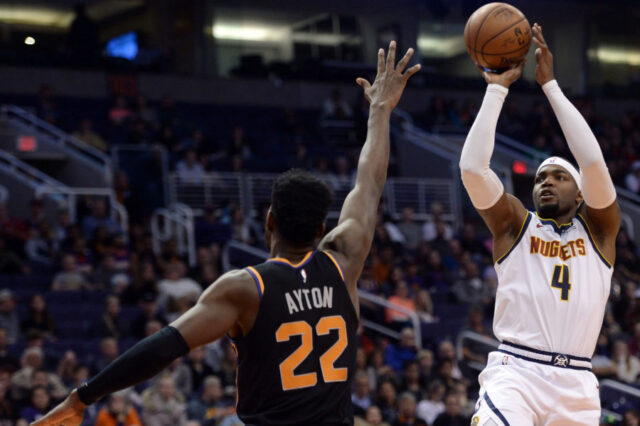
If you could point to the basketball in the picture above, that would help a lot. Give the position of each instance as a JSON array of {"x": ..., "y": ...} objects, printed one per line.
[{"x": 497, "y": 36}]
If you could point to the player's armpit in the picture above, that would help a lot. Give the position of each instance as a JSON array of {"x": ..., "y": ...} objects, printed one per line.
[
  {"x": 504, "y": 219},
  {"x": 231, "y": 300}
]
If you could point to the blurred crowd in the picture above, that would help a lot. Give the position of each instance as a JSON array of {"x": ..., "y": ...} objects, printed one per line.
[{"x": 442, "y": 272}]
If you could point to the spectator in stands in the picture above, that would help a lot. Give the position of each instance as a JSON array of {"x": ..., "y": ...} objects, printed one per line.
[
  {"x": 189, "y": 170},
  {"x": 61, "y": 227},
  {"x": 632, "y": 180},
  {"x": 424, "y": 306},
  {"x": 10, "y": 263},
  {"x": 40, "y": 401},
  {"x": 198, "y": 367},
  {"x": 634, "y": 343},
  {"x": 86, "y": 134},
  {"x": 467, "y": 406},
  {"x": 39, "y": 319},
  {"x": 9, "y": 319},
  {"x": 240, "y": 227},
  {"x": 451, "y": 415},
  {"x": 411, "y": 379},
  {"x": 436, "y": 273},
  {"x": 51, "y": 382},
  {"x": 146, "y": 112},
  {"x": 31, "y": 360},
  {"x": 387, "y": 400},
  {"x": 41, "y": 247},
  {"x": 83, "y": 256},
  {"x": 240, "y": 145},
  {"x": 103, "y": 274},
  {"x": 176, "y": 289},
  {"x": 7, "y": 410},
  {"x": 407, "y": 411},
  {"x": 361, "y": 394},
  {"x": 410, "y": 229},
  {"x": 67, "y": 367},
  {"x": 470, "y": 290},
  {"x": 631, "y": 418},
  {"x": 336, "y": 108},
  {"x": 627, "y": 365},
  {"x": 69, "y": 279},
  {"x": 163, "y": 405},
  {"x": 447, "y": 352},
  {"x": 301, "y": 159},
  {"x": 471, "y": 349},
  {"x": 108, "y": 352},
  {"x": 425, "y": 366},
  {"x": 152, "y": 326},
  {"x": 210, "y": 406},
  {"x": 109, "y": 324},
  {"x": 119, "y": 112},
  {"x": 7, "y": 361},
  {"x": 98, "y": 218},
  {"x": 373, "y": 417},
  {"x": 400, "y": 298},
  {"x": 405, "y": 350},
  {"x": 80, "y": 375},
  {"x": 430, "y": 408},
  {"x": 118, "y": 412},
  {"x": 148, "y": 312}
]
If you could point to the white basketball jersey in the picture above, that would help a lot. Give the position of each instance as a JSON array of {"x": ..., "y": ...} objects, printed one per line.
[{"x": 553, "y": 285}]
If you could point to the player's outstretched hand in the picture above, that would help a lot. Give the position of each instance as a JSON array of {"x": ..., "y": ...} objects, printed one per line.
[
  {"x": 69, "y": 412},
  {"x": 506, "y": 78},
  {"x": 544, "y": 58},
  {"x": 390, "y": 80}
]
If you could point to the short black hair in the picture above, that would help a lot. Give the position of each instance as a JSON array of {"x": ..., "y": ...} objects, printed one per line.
[{"x": 299, "y": 205}]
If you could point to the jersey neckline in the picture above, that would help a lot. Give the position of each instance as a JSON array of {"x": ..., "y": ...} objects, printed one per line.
[{"x": 283, "y": 261}]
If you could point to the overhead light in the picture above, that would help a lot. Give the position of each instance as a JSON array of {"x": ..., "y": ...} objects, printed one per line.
[
  {"x": 30, "y": 41},
  {"x": 247, "y": 32},
  {"x": 441, "y": 46},
  {"x": 615, "y": 55},
  {"x": 39, "y": 16}
]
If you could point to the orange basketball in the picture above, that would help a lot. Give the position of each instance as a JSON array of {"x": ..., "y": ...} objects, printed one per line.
[{"x": 497, "y": 36}]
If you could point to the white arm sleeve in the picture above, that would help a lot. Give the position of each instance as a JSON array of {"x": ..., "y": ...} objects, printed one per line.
[
  {"x": 482, "y": 184},
  {"x": 597, "y": 186}
]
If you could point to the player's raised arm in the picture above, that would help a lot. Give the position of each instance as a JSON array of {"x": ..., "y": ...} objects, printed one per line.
[
  {"x": 502, "y": 212},
  {"x": 224, "y": 305},
  {"x": 351, "y": 239},
  {"x": 602, "y": 212}
]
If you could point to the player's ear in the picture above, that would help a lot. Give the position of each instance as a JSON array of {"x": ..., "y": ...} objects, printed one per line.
[
  {"x": 579, "y": 198},
  {"x": 270, "y": 223}
]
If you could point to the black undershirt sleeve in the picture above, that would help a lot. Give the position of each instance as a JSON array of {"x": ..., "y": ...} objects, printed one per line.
[{"x": 143, "y": 361}]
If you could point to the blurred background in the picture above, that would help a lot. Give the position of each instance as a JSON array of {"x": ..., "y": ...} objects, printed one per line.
[{"x": 139, "y": 141}]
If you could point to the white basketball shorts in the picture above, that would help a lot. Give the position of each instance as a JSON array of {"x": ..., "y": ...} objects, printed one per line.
[{"x": 517, "y": 392}]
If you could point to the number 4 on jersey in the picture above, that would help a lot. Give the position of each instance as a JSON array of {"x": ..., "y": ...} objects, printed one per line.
[{"x": 561, "y": 281}]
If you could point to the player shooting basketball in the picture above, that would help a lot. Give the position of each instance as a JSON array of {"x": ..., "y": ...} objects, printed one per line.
[{"x": 554, "y": 265}]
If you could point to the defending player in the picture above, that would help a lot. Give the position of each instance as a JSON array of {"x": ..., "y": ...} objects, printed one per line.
[
  {"x": 554, "y": 266},
  {"x": 293, "y": 318}
]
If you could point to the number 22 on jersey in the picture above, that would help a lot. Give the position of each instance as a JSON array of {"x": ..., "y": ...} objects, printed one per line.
[
  {"x": 330, "y": 373},
  {"x": 561, "y": 280}
]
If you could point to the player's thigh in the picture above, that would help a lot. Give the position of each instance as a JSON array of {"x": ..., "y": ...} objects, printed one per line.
[{"x": 490, "y": 413}]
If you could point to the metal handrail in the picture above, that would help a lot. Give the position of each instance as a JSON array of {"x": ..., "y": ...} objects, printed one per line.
[
  {"x": 90, "y": 155},
  {"x": 471, "y": 335},
  {"x": 179, "y": 222},
  {"x": 118, "y": 211},
  {"x": 16, "y": 165},
  {"x": 415, "y": 319}
]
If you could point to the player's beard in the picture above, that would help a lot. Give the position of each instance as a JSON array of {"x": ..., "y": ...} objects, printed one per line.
[{"x": 548, "y": 211}]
